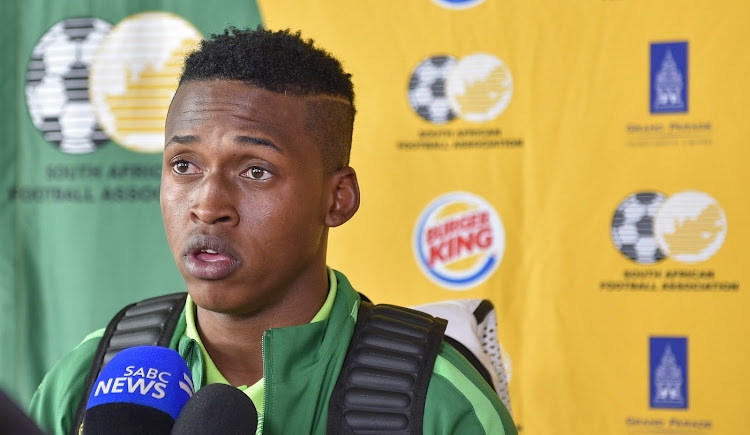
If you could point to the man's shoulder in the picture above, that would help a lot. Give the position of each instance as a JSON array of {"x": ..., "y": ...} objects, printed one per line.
[
  {"x": 76, "y": 362},
  {"x": 459, "y": 400},
  {"x": 55, "y": 401}
]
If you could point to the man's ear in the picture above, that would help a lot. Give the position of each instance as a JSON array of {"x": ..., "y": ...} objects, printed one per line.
[{"x": 343, "y": 198}]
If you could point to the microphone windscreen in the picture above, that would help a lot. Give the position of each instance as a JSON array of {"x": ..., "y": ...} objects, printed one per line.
[
  {"x": 13, "y": 420},
  {"x": 141, "y": 390},
  {"x": 217, "y": 409}
]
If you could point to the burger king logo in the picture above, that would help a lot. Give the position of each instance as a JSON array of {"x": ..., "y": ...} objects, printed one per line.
[{"x": 459, "y": 240}]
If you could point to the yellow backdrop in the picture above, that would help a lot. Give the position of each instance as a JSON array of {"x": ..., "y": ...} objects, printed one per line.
[{"x": 584, "y": 165}]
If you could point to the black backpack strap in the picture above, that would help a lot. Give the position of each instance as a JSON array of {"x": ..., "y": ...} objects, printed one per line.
[
  {"x": 387, "y": 369},
  {"x": 151, "y": 322}
]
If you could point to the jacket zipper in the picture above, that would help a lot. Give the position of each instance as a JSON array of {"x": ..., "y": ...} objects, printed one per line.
[
  {"x": 189, "y": 354},
  {"x": 265, "y": 339}
]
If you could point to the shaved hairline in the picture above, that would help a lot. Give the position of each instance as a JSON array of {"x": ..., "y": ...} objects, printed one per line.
[
  {"x": 314, "y": 97},
  {"x": 330, "y": 122}
]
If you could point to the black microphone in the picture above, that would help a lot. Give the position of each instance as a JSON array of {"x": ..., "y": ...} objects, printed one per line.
[
  {"x": 141, "y": 390},
  {"x": 217, "y": 409},
  {"x": 13, "y": 421}
]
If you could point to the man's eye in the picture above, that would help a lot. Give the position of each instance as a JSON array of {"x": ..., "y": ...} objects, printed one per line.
[
  {"x": 257, "y": 173},
  {"x": 183, "y": 167}
]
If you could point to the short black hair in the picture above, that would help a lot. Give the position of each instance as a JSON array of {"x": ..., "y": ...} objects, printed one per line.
[{"x": 282, "y": 61}]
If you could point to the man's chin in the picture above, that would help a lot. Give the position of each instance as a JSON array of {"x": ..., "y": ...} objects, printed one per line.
[{"x": 221, "y": 300}]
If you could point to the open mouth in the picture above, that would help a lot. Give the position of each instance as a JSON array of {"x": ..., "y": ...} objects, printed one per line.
[{"x": 209, "y": 257}]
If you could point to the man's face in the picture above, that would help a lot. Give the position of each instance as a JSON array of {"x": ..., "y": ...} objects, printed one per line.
[{"x": 243, "y": 194}]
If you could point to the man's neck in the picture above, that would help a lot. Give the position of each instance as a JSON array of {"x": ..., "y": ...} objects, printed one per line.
[{"x": 234, "y": 342}]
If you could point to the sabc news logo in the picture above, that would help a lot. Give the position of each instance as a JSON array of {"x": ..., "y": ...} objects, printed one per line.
[
  {"x": 151, "y": 376},
  {"x": 143, "y": 382},
  {"x": 459, "y": 240},
  {"x": 689, "y": 227}
]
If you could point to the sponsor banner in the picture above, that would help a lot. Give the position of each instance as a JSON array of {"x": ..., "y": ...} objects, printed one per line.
[
  {"x": 85, "y": 233},
  {"x": 609, "y": 139}
]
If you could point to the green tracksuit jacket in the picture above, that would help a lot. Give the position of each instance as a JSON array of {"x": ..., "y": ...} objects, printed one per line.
[{"x": 301, "y": 365}]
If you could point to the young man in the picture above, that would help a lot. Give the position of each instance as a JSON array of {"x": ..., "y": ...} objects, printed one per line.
[{"x": 255, "y": 173}]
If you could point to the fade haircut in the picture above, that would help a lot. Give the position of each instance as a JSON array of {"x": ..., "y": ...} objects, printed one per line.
[{"x": 284, "y": 62}]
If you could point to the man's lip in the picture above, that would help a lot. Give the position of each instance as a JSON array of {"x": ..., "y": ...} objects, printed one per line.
[
  {"x": 209, "y": 257},
  {"x": 198, "y": 242}
]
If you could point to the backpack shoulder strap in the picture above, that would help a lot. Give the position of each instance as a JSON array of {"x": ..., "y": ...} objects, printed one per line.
[
  {"x": 387, "y": 369},
  {"x": 150, "y": 322}
]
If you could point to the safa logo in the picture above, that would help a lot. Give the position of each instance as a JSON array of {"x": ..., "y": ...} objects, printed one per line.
[
  {"x": 135, "y": 74},
  {"x": 88, "y": 82},
  {"x": 57, "y": 85},
  {"x": 459, "y": 240},
  {"x": 688, "y": 226},
  {"x": 458, "y": 4},
  {"x": 477, "y": 88}
]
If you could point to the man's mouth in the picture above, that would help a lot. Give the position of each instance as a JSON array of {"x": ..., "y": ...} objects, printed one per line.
[{"x": 209, "y": 257}]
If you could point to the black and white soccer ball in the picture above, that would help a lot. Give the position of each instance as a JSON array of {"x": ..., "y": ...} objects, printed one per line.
[
  {"x": 57, "y": 85},
  {"x": 427, "y": 90},
  {"x": 633, "y": 227}
]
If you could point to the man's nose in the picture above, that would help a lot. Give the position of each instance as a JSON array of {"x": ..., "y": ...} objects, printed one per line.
[{"x": 215, "y": 201}]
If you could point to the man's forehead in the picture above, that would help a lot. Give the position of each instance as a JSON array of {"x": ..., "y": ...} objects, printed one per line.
[
  {"x": 236, "y": 92},
  {"x": 199, "y": 101}
]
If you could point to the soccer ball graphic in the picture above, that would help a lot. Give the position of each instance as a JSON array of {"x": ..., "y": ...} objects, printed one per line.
[
  {"x": 427, "y": 93},
  {"x": 57, "y": 85},
  {"x": 633, "y": 227}
]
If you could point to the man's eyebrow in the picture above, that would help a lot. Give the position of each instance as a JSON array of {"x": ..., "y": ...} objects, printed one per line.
[
  {"x": 189, "y": 138},
  {"x": 257, "y": 141},
  {"x": 182, "y": 139}
]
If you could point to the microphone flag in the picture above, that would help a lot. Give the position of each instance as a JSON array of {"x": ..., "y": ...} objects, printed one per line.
[{"x": 150, "y": 376}]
